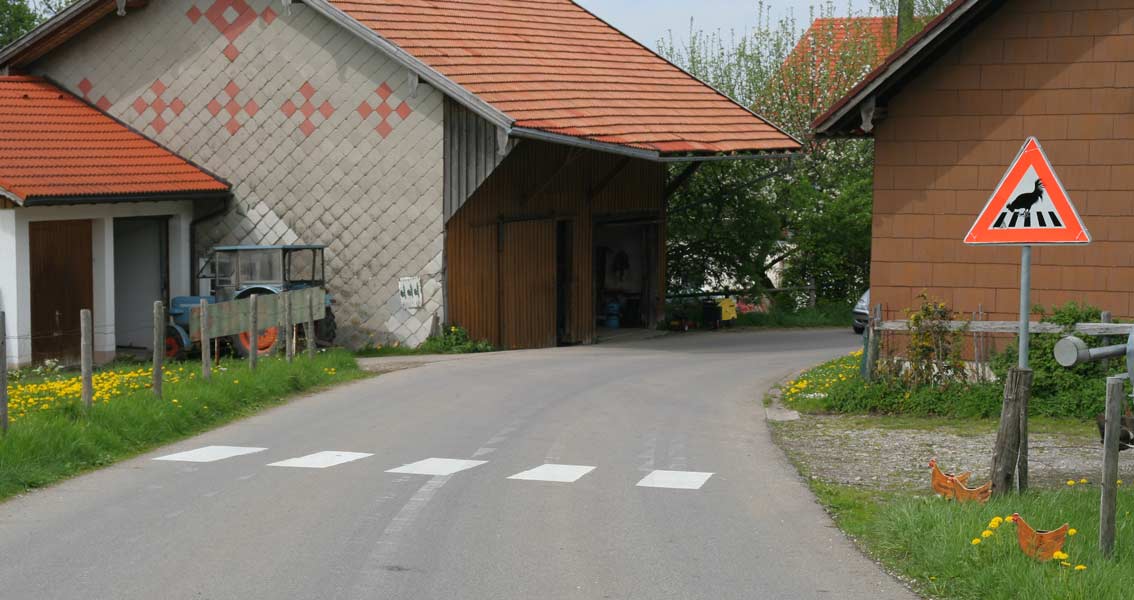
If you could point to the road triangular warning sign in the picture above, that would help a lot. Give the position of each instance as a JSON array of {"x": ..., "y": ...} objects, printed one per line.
[{"x": 1029, "y": 207}]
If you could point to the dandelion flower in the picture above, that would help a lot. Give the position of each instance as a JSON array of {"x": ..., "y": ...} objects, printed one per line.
[
  {"x": 1065, "y": 564},
  {"x": 1072, "y": 531},
  {"x": 1119, "y": 482},
  {"x": 1080, "y": 567},
  {"x": 1071, "y": 483},
  {"x": 975, "y": 542},
  {"x": 1057, "y": 555},
  {"x": 986, "y": 534},
  {"x": 1083, "y": 481},
  {"x": 994, "y": 524}
]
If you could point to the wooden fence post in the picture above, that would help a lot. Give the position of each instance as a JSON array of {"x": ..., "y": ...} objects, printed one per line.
[
  {"x": 1006, "y": 453},
  {"x": 159, "y": 346},
  {"x": 288, "y": 328},
  {"x": 1106, "y": 318},
  {"x": 1022, "y": 405},
  {"x": 1115, "y": 391},
  {"x": 253, "y": 333},
  {"x": 206, "y": 343},
  {"x": 309, "y": 328},
  {"x": 3, "y": 374},
  {"x": 86, "y": 358}
]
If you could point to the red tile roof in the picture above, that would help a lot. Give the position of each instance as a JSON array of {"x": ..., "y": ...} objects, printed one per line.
[
  {"x": 552, "y": 66},
  {"x": 881, "y": 31},
  {"x": 54, "y": 145}
]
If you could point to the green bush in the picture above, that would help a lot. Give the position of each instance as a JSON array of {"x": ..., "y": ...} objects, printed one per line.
[
  {"x": 1056, "y": 390},
  {"x": 825, "y": 314}
]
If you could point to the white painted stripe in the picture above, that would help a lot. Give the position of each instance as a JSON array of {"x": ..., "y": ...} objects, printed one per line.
[
  {"x": 553, "y": 472},
  {"x": 437, "y": 466},
  {"x": 678, "y": 480},
  {"x": 210, "y": 454},
  {"x": 321, "y": 460}
]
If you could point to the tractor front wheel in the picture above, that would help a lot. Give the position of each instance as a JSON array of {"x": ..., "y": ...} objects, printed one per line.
[{"x": 174, "y": 346}]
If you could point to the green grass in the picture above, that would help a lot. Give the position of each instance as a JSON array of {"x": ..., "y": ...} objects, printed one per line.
[
  {"x": 44, "y": 447},
  {"x": 929, "y": 541}
]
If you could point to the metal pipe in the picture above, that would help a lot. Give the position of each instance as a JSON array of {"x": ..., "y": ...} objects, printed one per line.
[
  {"x": 1071, "y": 351},
  {"x": 1025, "y": 304}
]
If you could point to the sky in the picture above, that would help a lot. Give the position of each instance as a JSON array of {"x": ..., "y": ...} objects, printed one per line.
[{"x": 649, "y": 20}]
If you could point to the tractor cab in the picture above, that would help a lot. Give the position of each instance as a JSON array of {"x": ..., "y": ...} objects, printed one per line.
[
  {"x": 236, "y": 272},
  {"x": 239, "y": 271}
]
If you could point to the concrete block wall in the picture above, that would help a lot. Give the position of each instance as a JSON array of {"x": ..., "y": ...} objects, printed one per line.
[
  {"x": 1061, "y": 70},
  {"x": 318, "y": 132}
]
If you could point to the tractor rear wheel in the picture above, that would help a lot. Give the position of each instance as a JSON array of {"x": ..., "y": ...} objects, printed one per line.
[
  {"x": 174, "y": 347},
  {"x": 266, "y": 342}
]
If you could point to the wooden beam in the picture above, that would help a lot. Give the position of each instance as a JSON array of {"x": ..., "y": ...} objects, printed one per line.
[
  {"x": 609, "y": 178},
  {"x": 1014, "y": 327},
  {"x": 680, "y": 181}
]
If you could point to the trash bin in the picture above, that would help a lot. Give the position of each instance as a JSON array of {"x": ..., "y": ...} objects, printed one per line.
[{"x": 711, "y": 314}]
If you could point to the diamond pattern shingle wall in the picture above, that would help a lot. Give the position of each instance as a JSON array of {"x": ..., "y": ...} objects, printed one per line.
[{"x": 319, "y": 174}]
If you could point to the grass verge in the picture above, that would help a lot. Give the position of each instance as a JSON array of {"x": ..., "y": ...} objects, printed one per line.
[
  {"x": 61, "y": 440},
  {"x": 929, "y": 542}
]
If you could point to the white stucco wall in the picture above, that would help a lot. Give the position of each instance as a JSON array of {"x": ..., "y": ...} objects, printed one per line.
[
  {"x": 359, "y": 168},
  {"x": 15, "y": 272}
]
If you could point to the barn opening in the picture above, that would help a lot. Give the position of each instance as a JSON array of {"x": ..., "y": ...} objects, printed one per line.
[
  {"x": 141, "y": 277},
  {"x": 625, "y": 274}
]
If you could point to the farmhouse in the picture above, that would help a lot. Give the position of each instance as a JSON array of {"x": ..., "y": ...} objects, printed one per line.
[
  {"x": 948, "y": 112},
  {"x": 511, "y": 156}
]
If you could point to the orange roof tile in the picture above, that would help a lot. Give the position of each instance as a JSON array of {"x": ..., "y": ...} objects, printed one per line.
[
  {"x": 552, "y": 66},
  {"x": 882, "y": 31},
  {"x": 54, "y": 145}
]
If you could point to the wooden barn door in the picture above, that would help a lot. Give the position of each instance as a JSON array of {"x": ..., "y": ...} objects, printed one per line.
[
  {"x": 62, "y": 284},
  {"x": 528, "y": 284}
]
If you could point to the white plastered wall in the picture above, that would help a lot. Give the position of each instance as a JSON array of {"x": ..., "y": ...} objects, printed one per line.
[
  {"x": 15, "y": 265},
  {"x": 235, "y": 105}
]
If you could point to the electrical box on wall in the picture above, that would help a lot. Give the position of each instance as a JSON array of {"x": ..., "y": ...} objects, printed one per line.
[{"x": 409, "y": 288}]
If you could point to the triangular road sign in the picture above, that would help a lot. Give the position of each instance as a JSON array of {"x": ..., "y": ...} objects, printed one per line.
[{"x": 1029, "y": 207}]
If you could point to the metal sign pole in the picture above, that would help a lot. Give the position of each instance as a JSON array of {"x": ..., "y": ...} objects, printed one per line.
[{"x": 1025, "y": 304}]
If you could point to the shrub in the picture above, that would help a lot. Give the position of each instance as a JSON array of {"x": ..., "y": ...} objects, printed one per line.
[
  {"x": 454, "y": 340},
  {"x": 933, "y": 354},
  {"x": 1058, "y": 390}
]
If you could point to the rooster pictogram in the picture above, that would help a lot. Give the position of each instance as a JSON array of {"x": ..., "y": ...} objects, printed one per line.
[{"x": 1024, "y": 202}]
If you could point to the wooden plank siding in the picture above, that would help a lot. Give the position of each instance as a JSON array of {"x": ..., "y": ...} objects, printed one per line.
[
  {"x": 527, "y": 284},
  {"x": 545, "y": 183}
]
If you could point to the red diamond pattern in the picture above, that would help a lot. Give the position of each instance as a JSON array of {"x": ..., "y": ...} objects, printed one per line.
[
  {"x": 85, "y": 87},
  {"x": 231, "y": 18},
  {"x": 164, "y": 111},
  {"x": 229, "y": 102},
  {"x": 305, "y": 106},
  {"x": 385, "y": 110}
]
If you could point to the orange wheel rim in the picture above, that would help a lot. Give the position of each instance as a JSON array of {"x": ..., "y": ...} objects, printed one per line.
[
  {"x": 264, "y": 341},
  {"x": 172, "y": 346}
]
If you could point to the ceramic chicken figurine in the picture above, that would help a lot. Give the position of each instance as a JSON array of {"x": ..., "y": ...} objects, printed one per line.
[
  {"x": 1040, "y": 545},
  {"x": 940, "y": 481},
  {"x": 962, "y": 493}
]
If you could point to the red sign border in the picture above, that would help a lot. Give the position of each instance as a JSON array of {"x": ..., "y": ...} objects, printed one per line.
[{"x": 1015, "y": 172}]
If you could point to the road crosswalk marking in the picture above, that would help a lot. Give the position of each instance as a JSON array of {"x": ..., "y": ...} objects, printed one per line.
[
  {"x": 321, "y": 460},
  {"x": 677, "y": 480},
  {"x": 437, "y": 466},
  {"x": 554, "y": 473},
  {"x": 210, "y": 454}
]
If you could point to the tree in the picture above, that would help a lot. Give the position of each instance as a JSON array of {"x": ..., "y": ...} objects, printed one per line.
[
  {"x": 734, "y": 221},
  {"x": 16, "y": 19}
]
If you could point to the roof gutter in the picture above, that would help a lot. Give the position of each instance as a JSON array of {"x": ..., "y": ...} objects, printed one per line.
[
  {"x": 407, "y": 60},
  {"x": 102, "y": 199},
  {"x": 892, "y": 68},
  {"x": 639, "y": 153}
]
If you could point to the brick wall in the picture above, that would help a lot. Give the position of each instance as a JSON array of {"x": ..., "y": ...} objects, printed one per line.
[
  {"x": 318, "y": 133},
  {"x": 1061, "y": 70}
]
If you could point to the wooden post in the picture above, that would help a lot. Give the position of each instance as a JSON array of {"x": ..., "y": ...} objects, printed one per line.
[
  {"x": 159, "y": 346},
  {"x": 1022, "y": 402},
  {"x": 253, "y": 333},
  {"x": 1106, "y": 318},
  {"x": 3, "y": 374},
  {"x": 86, "y": 356},
  {"x": 309, "y": 328},
  {"x": 1115, "y": 390},
  {"x": 206, "y": 343},
  {"x": 288, "y": 330},
  {"x": 1006, "y": 453},
  {"x": 874, "y": 348}
]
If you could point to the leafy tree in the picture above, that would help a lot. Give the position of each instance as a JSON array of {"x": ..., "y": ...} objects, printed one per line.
[
  {"x": 16, "y": 19},
  {"x": 734, "y": 221}
]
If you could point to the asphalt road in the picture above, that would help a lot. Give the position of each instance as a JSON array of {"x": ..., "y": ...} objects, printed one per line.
[{"x": 241, "y": 528}]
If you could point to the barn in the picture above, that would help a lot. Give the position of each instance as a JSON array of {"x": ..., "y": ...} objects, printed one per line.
[
  {"x": 949, "y": 111},
  {"x": 510, "y": 159}
]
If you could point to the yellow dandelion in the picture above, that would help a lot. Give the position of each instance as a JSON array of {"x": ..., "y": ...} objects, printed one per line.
[
  {"x": 1080, "y": 567},
  {"x": 1065, "y": 564},
  {"x": 1057, "y": 555},
  {"x": 1070, "y": 483},
  {"x": 1083, "y": 481},
  {"x": 1072, "y": 531},
  {"x": 975, "y": 542}
]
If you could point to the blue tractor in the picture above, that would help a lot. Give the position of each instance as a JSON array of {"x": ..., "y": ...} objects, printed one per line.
[{"x": 237, "y": 272}]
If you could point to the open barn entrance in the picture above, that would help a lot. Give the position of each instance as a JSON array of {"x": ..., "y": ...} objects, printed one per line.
[{"x": 626, "y": 260}]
